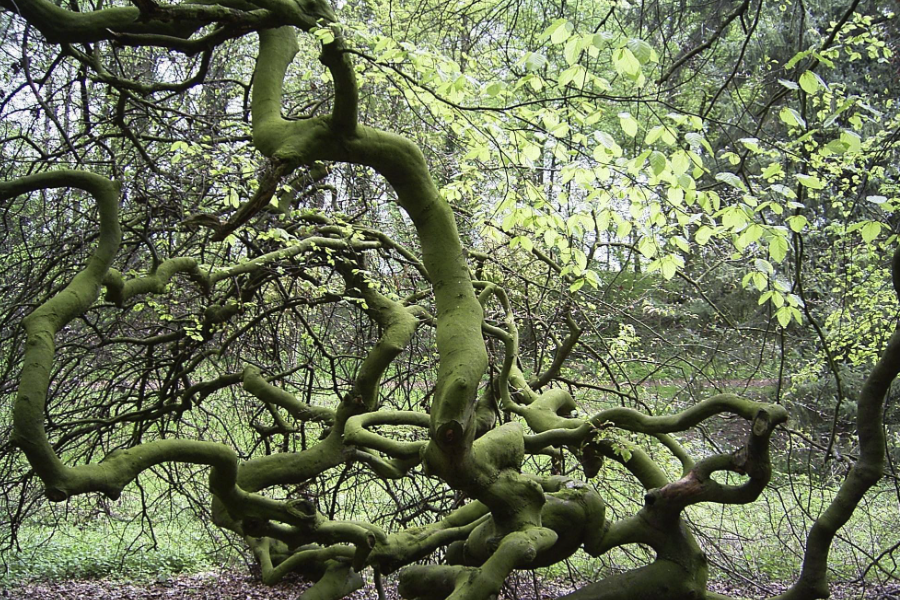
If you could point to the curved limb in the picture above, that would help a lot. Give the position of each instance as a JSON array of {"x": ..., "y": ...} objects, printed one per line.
[
  {"x": 338, "y": 581},
  {"x": 437, "y": 582},
  {"x": 356, "y": 432},
  {"x": 813, "y": 580},
  {"x": 407, "y": 546},
  {"x": 176, "y": 22},
  {"x": 488, "y": 468},
  {"x": 260, "y": 387},
  {"x": 632, "y": 420},
  {"x": 566, "y": 502},
  {"x": 330, "y": 567},
  {"x": 660, "y": 580},
  {"x": 47, "y": 320}
]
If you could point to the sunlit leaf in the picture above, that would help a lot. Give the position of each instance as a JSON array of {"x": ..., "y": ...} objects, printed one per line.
[{"x": 809, "y": 82}]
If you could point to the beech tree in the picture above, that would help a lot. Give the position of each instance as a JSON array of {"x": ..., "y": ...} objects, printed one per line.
[{"x": 220, "y": 284}]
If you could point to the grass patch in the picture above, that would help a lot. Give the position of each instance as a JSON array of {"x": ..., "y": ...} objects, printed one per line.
[{"x": 110, "y": 549}]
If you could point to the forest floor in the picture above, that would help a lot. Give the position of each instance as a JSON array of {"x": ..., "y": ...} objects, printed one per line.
[{"x": 233, "y": 585}]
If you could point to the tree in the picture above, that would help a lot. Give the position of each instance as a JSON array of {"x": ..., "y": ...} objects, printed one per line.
[{"x": 220, "y": 267}]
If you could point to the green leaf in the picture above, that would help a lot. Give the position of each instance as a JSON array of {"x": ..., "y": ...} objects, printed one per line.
[
  {"x": 792, "y": 118},
  {"x": 751, "y": 144},
  {"x": 764, "y": 266},
  {"x": 853, "y": 141},
  {"x": 680, "y": 162},
  {"x": 641, "y": 50},
  {"x": 777, "y": 298},
  {"x": 796, "y": 58},
  {"x": 573, "y": 50},
  {"x": 608, "y": 142},
  {"x": 657, "y": 162},
  {"x": 668, "y": 137},
  {"x": 560, "y": 130},
  {"x": 696, "y": 140},
  {"x": 789, "y": 84},
  {"x": 523, "y": 242},
  {"x": 703, "y": 234},
  {"x": 870, "y": 231},
  {"x": 535, "y": 61},
  {"x": 797, "y": 223},
  {"x": 681, "y": 243},
  {"x": 579, "y": 283},
  {"x": 647, "y": 247},
  {"x": 628, "y": 123},
  {"x": 783, "y": 315},
  {"x": 810, "y": 181},
  {"x": 732, "y": 180},
  {"x": 809, "y": 82},
  {"x": 778, "y": 248},
  {"x": 759, "y": 281},
  {"x": 653, "y": 134},
  {"x": 783, "y": 190},
  {"x": 575, "y": 73},
  {"x": 232, "y": 199},
  {"x": 626, "y": 64},
  {"x": 669, "y": 265},
  {"x": 532, "y": 152},
  {"x": 324, "y": 34},
  {"x": 732, "y": 158},
  {"x": 837, "y": 146},
  {"x": 772, "y": 170},
  {"x": 750, "y": 235},
  {"x": 559, "y": 31}
]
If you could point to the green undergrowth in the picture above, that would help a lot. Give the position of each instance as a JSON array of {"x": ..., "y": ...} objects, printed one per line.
[
  {"x": 760, "y": 542},
  {"x": 763, "y": 542},
  {"x": 104, "y": 548}
]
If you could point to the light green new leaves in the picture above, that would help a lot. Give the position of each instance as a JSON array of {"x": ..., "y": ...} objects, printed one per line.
[
  {"x": 809, "y": 82},
  {"x": 641, "y": 50},
  {"x": 792, "y": 118},
  {"x": 870, "y": 231},
  {"x": 772, "y": 170},
  {"x": 797, "y": 223},
  {"x": 668, "y": 265},
  {"x": 657, "y": 162},
  {"x": 647, "y": 247},
  {"x": 666, "y": 134},
  {"x": 559, "y": 31},
  {"x": 786, "y": 313},
  {"x": 572, "y": 50},
  {"x": 853, "y": 141},
  {"x": 523, "y": 242},
  {"x": 810, "y": 181},
  {"x": 703, "y": 234},
  {"x": 626, "y": 63},
  {"x": 607, "y": 145},
  {"x": 778, "y": 247},
  {"x": 732, "y": 180},
  {"x": 628, "y": 123}
]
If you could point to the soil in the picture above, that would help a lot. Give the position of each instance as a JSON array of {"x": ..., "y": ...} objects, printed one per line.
[{"x": 232, "y": 585}]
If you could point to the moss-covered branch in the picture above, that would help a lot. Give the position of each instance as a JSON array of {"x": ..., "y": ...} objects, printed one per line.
[
  {"x": 63, "y": 26},
  {"x": 257, "y": 385},
  {"x": 45, "y": 321},
  {"x": 869, "y": 467}
]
